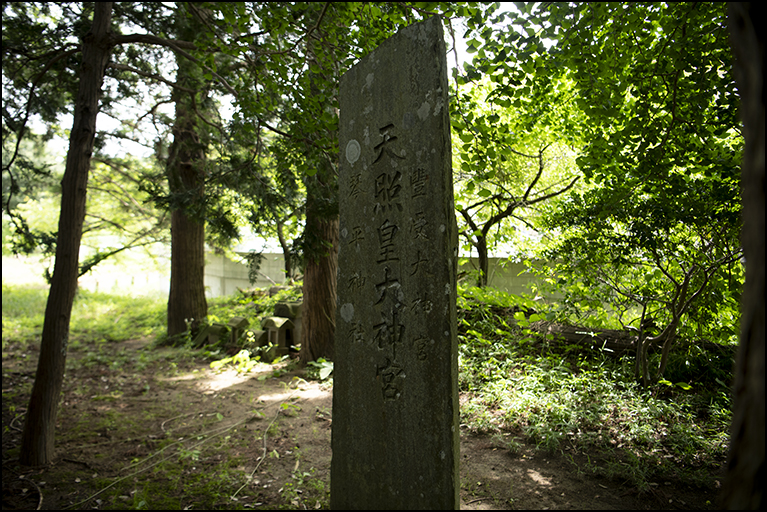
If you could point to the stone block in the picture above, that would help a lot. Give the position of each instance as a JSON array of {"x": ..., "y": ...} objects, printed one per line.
[
  {"x": 260, "y": 338},
  {"x": 209, "y": 335},
  {"x": 280, "y": 334},
  {"x": 236, "y": 326},
  {"x": 291, "y": 310}
]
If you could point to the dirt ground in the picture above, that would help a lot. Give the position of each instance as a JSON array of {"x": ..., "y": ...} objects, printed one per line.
[{"x": 271, "y": 433}]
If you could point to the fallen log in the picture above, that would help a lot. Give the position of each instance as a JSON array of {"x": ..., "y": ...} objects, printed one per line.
[{"x": 613, "y": 342}]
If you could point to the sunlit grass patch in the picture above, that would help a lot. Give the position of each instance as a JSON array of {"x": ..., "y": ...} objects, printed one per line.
[
  {"x": 23, "y": 312},
  {"x": 116, "y": 318},
  {"x": 94, "y": 315}
]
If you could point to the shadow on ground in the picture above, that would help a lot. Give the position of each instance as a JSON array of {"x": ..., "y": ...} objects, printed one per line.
[{"x": 173, "y": 434}]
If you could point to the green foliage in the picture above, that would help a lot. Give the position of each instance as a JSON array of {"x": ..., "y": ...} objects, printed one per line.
[
  {"x": 558, "y": 395},
  {"x": 252, "y": 305},
  {"x": 505, "y": 172},
  {"x": 41, "y": 64},
  {"x": 656, "y": 226},
  {"x": 118, "y": 217},
  {"x": 115, "y": 318},
  {"x": 319, "y": 369},
  {"x": 241, "y": 361},
  {"x": 23, "y": 313},
  {"x": 515, "y": 386},
  {"x": 305, "y": 488}
]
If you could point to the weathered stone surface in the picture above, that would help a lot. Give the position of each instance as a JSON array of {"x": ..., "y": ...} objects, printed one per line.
[
  {"x": 237, "y": 325},
  {"x": 280, "y": 331},
  {"x": 209, "y": 335},
  {"x": 395, "y": 397},
  {"x": 259, "y": 338},
  {"x": 292, "y": 310}
]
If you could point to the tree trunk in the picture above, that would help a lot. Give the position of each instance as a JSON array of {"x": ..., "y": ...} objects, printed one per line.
[
  {"x": 483, "y": 260},
  {"x": 37, "y": 442},
  {"x": 744, "y": 483},
  {"x": 286, "y": 255},
  {"x": 319, "y": 309},
  {"x": 318, "y": 326},
  {"x": 186, "y": 300},
  {"x": 668, "y": 341}
]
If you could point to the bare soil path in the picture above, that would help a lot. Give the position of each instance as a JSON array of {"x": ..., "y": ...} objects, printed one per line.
[{"x": 264, "y": 436}]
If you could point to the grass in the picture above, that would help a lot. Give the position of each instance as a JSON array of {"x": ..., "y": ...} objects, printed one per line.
[
  {"x": 517, "y": 386},
  {"x": 560, "y": 396},
  {"x": 96, "y": 317},
  {"x": 192, "y": 462},
  {"x": 23, "y": 312},
  {"x": 116, "y": 318}
]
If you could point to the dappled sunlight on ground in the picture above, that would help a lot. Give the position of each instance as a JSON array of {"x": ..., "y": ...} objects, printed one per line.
[
  {"x": 538, "y": 478},
  {"x": 310, "y": 393},
  {"x": 209, "y": 381},
  {"x": 213, "y": 382}
]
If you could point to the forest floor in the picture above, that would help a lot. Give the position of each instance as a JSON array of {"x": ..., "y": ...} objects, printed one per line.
[{"x": 156, "y": 428}]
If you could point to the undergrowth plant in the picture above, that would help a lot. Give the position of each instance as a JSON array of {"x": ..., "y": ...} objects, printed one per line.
[
  {"x": 557, "y": 395},
  {"x": 517, "y": 385}
]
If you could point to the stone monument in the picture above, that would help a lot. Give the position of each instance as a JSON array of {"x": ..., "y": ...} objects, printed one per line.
[{"x": 395, "y": 397}]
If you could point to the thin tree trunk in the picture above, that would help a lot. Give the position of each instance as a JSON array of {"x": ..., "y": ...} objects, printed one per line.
[
  {"x": 744, "y": 484},
  {"x": 37, "y": 442},
  {"x": 483, "y": 260},
  {"x": 668, "y": 341},
  {"x": 286, "y": 256}
]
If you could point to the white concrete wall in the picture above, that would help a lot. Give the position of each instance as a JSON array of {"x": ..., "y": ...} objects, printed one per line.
[
  {"x": 223, "y": 276},
  {"x": 502, "y": 274}
]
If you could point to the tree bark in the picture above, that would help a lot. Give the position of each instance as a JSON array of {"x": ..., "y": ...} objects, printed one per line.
[
  {"x": 480, "y": 242},
  {"x": 483, "y": 260},
  {"x": 186, "y": 161},
  {"x": 319, "y": 309},
  {"x": 286, "y": 255},
  {"x": 744, "y": 483},
  {"x": 37, "y": 442},
  {"x": 186, "y": 300}
]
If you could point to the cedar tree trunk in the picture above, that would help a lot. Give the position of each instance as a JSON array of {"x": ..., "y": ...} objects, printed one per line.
[
  {"x": 186, "y": 300},
  {"x": 186, "y": 163},
  {"x": 318, "y": 326},
  {"x": 37, "y": 442},
  {"x": 319, "y": 308}
]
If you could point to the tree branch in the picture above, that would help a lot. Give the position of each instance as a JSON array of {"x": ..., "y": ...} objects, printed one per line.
[
  {"x": 20, "y": 133},
  {"x": 176, "y": 46},
  {"x": 124, "y": 67}
]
